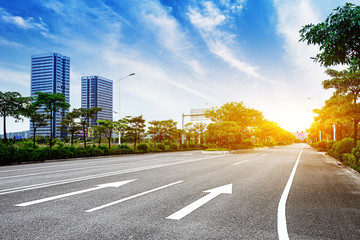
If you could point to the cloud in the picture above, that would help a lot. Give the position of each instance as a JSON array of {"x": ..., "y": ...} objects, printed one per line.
[
  {"x": 14, "y": 76},
  {"x": 8, "y": 43},
  {"x": 208, "y": 21},
  {"x": 24, "y": 23},
  {"x": 170, "y": 36}
]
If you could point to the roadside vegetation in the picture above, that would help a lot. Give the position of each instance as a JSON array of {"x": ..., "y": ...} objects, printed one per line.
[
  {"x": 338, "y": 38},
  {"x": 233, "y": 126}
]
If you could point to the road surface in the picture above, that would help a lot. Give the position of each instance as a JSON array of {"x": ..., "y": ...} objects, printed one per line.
[{"x": 290, "y": 192}]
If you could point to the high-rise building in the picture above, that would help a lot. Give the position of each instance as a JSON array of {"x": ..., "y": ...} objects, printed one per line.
[
  {"x": 97, "y": 91},
  {"x": 50, "y": 73}
]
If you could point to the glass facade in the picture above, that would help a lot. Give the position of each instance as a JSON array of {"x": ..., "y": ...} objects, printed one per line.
[
  {"x": 50, "y": 73},
  {"x": 97, "y": 92}
]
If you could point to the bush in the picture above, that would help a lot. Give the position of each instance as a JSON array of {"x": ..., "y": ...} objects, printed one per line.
[
  {"x": 192, "y": 145},
  {"x": 322, "y": 145},
  {"x": 124, "y": 146},
  {"x": 343, "y": 146},
  {"x": 160, "y": 146},
  {"x": 184, "y": 146},
  {"x": 174, "y": 146},
  {"x": 142, "y": 147},
  {"x": 349, "y": 160}
]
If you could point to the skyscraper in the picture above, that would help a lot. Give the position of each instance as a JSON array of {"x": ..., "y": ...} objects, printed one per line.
[
  {"x": 50, "y": 73},
  {"x": 97, "y": 91}
]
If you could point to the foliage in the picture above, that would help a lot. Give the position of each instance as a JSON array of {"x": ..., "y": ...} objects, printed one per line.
[
  {"x": 12, "y": 104},
  {"x": 108, "y": 128},
  {"x": 160, "y": 146},
  {"x": 135, "y": 127},
  {"x": 142, "y": 147},
  {"x": 70, "y": 125},
  {"x": 338, "y": 36},
  {"x": 85, "y": 115},
  {"x": 174, "y": 146},
  {"x": 341, "y": 147},
  {"x": 51, "y": 103}
]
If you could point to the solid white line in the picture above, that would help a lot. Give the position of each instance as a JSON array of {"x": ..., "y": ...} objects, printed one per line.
[
  {"x": 131, "y": 197},
  {"x": 281, "y": 216},
  {"x": 264, "y": 155},
  {"x": 240, "y": 162},
  {"x": 71, "y": 180}
]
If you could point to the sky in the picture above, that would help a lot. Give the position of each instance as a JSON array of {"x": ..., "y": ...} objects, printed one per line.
[{"x": 186, "y": 54}]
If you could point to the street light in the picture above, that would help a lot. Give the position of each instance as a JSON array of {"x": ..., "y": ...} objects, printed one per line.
[{"x": 118, "y": 81}]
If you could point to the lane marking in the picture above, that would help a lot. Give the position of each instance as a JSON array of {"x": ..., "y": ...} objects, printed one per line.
[
  {"x": 78, "y": 179},
  {"x": 213, "y": 193},
  {"x": 240, "y": 162},
  {"x": 123, "y": 159},
  {"x": 98, "y": 187},
  {"x": 281, "y": 216},
  {"x": 131, "y": 197},
  {"x": 263, "y": 155}
]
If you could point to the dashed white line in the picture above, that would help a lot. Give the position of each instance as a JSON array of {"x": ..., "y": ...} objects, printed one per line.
[
  {"x": 131, "y": 197},
  {"x": 240, "y": 162}
]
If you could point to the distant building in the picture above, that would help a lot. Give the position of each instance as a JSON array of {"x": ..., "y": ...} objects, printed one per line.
[
  {"x": 17, "y": 135},
  {"x": 97, "y": 91},
  {"x": 50, "y": 73}
]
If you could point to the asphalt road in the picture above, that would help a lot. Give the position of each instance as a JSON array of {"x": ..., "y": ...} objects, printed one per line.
[{"x": 277, "y": 193}]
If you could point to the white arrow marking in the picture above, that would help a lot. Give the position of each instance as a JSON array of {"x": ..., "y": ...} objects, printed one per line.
[
  {"x": 131, "y": 197},
  {"x": 213, "y": 193},
  {"x": 106, "y": 185}
]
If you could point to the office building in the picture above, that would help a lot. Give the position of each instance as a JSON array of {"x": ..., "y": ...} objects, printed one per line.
[
  {"x": 97, "y": 91},
  {"x": 50, "y": 73}
]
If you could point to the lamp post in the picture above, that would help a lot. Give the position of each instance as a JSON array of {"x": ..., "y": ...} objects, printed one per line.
[{"x": 131, "y": 74}]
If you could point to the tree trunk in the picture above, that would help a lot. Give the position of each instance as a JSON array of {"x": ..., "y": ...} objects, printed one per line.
[
  {"x": 34, "y": 139},
  {"x": 5, "y": 138},
  {"x": 51, "y": 130},
  {"x": 72, "y": 138},
  {"x": 84, "y": 138}
]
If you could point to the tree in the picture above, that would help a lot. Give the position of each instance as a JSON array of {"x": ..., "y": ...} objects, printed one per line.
[
  {"x": 70, "y": 125},
  {"x": 36, "y": 119},
  {"x": 347, "y": 83},
  {"x": 108, "y": 128},
  {"x": 338, "y": 36},
  {"x": 85, "y": 115},
  {"x": 51, "y": 102},
  {"x": 136, "y": 126},
  {"x": 12, "y": 104}
]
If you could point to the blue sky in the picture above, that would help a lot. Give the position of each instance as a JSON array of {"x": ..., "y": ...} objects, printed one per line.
[{"x": 186, "y": 54}]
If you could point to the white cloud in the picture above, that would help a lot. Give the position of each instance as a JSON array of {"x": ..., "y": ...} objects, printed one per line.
[
  {"x": 208, "y": 21},
  {"x": 25, "y": 23},
  {"x": 170, "y": 35},
  {"x": 14, "y": 76}
]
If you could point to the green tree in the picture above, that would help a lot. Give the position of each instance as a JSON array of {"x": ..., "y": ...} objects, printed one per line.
[
  {"x": 70, "y": 125},
  {"x": 136, "y": 126},
  {"x": 347, "y": 83},
  {"x": 36, "y": 119},
  {"x": 12, "y": 104},
  {"x": 338, "y": 36},
  {"x": 108, "y": 128},
  {"x": 51, "y": 103},
  {"x": 85, "y": 115}
]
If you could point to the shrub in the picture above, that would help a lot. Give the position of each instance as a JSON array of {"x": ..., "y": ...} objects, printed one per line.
[
  {"x": 124, "y": 146},
  {"x": 174, "y": 146},
  {"x": 185, "y": 146},
  {"x": 192, "y": 145},
  {"x": 142, "y": 147},
  {"x": 160, "y": 146},
  {"x": 344, "y": 146},
  {"x": 349, "y": 160},
  {"x": 322, "y": 145}
]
